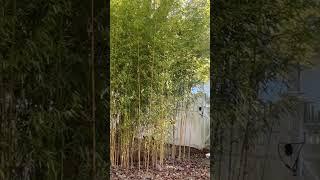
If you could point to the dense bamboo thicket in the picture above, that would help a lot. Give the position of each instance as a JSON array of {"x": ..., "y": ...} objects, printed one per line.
[
  {"x": 255, "y": 43},
  {"x": 159, "y": 50},
  {"x": 46, "y": 90}
]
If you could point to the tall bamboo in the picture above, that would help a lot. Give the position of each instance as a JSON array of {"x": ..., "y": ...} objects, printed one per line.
[
  {"x": 93, "y": 95},
  {"x": 139, "y": 91}
]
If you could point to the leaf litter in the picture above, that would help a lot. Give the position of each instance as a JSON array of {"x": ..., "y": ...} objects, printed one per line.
[{"x": 196, "y": 168}]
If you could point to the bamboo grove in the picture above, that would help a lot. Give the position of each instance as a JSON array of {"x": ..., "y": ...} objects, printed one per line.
[
  {"x": 46, "y": 90},
  {"x": 159, "y": 50},
  {"x": 254, "y": 43}
]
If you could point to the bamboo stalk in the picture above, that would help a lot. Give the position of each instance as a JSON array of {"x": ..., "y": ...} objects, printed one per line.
[
  {"x": 189, "y": 141},
  {"x": 184, "y": 135},
  {"x": 244, "y": 174},
  {"x": 173, "y": 138},
  {"x": 230, "y": 149},
  {"x": 132, "y": 150},
  {"x": 93, "y": 95},
  {"x": 242, "y": 150},
  {"x": 180, "y": 137},
  {"x": 148, "y": 154},
  {"x": 220, "y": 154},
  {"x": 139, "y": 126},
  {"x": 145, "y": 153},
  {"x": 156, "y": 154}
]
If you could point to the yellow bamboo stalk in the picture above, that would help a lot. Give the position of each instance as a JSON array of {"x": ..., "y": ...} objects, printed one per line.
[
  {"x": 145, "y": 153},
  {"x": 148, "y": 161},
  {"x": 112, "y": 147},
  {"x": 180, "y": 137},
  {"x": 184, "y": 134},
  {"x": 139, "y": 90},
  {"x": 189, "y": 142},
  {"x": 173, "y": 140}
]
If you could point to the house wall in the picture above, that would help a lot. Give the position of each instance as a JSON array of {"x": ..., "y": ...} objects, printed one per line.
[{"x": 263, "y": 160}]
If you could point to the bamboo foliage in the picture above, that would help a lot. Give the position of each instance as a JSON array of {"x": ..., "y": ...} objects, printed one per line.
[
  {"x": 44, "y": 55},
  {"x": 254, "y": 44},
  {"x": 154, "y": 64}
]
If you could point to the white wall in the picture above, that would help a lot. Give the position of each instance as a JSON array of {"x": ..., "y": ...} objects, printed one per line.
[{"x": 192, "y": 127}]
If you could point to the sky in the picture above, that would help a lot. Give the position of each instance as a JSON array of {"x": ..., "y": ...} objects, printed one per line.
[
  {"x": 309, "y": 84},
  {"x": 205, "y": 89},
  {"x": 273, "y": 91}
]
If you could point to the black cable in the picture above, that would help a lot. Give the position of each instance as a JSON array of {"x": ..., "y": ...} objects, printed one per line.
[
  {"x": 293, "y": 168},
  {"x": 287, "y": 165}
]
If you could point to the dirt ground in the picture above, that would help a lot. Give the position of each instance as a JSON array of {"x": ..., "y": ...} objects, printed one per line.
[{"x": 195, "y": 168}]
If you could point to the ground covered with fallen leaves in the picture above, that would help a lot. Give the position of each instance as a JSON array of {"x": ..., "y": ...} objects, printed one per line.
[{"x": 197, "y": 167}]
